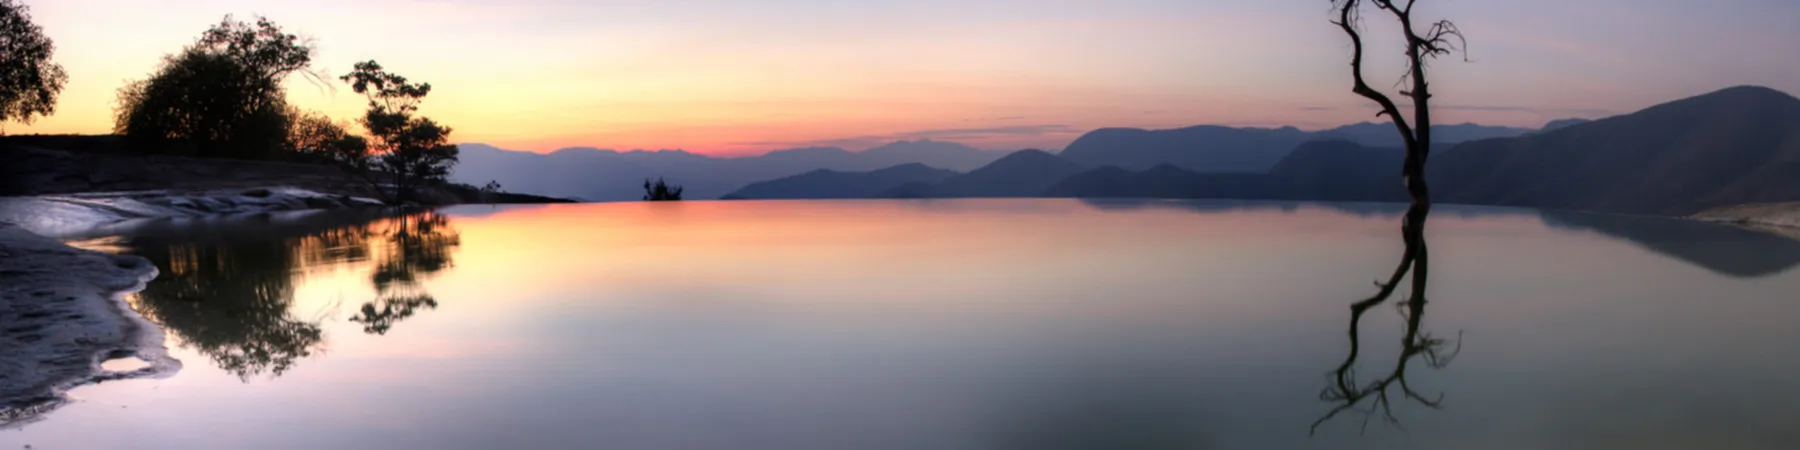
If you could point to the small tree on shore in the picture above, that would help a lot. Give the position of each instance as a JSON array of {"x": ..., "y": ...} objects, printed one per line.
[
  {"x": 29, "y": 81},
  {"x": 661, "y": 191},
  {"x": 410, "y": 151}
]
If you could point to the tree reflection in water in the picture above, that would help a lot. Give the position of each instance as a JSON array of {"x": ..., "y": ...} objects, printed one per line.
[
  {"x": 230, "y": 294},
  {"x": 415, "y": 246},
  {"x": 1375, "y": 398}
]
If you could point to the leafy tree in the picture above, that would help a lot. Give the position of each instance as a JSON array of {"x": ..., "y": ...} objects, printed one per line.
[
  {"x": 411, "y": 151},
  {"x": 661, "y": 191},
  {"x": 220, "y": 97},
  {"x": 29, "y": 81},
  {"x": 318, "y": 138},
  {"x": 262, "y": 48}
]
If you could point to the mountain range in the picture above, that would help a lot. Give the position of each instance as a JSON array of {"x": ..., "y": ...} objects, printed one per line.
[
  {"x": 1734, "y": 146},
  {"x": 606, "y": 175},
  {"x": 1737, "y": 145},
  {"x": 825, "y": 183},
  {"x": 1209, "y": 148}
]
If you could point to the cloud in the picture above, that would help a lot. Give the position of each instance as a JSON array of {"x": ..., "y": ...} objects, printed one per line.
[{"x": 942, "y": 134}]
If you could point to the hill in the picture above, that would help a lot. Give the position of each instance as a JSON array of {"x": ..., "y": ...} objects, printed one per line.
[
  {"x": 1025, "y": 173},
  {"x": 1201, "y": 149},
  {"x": 1319, "y": 171},
  {"x": 608, "y": 175},
  {"x": 1734, "y": 146},
  {"x": 1216, "y": 149},
  {"x": 1339, "y": 171},
  {"x": 1383, "y": 135},
  {"x": 834, "y": 184}
]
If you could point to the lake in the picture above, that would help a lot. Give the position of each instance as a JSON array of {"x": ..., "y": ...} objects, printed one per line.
[{"x": 960, "y": 324}]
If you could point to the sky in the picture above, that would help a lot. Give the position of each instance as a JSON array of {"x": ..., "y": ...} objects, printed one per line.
[{"x": 738, "y": 77}]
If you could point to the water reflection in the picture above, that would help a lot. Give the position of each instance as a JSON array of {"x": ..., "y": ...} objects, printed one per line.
[
  {"x": 416, "y": 246},
  {"x": 1375, "y": 398},
  {"x": 227, "y": 289},
  {"x": 1726, "y": 250}
]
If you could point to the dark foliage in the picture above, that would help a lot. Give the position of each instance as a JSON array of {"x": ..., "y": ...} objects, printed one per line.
[
  {"x": 408, "y": 151},
  {"x": 220, "y": 97},
  {"x": 315, "y": 137},
  {"x": 661, "y": 192},
  {"x": 29, "y": 81}
]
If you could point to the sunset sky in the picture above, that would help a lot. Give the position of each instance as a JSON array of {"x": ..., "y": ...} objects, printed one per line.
[{"x": 740, "y": 77}]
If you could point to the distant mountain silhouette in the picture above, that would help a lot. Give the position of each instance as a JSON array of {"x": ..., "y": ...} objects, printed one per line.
[
  {"x": 1202, "y": 148},
  {"x": 1383, "y": 135},
  {"x": 1025, "y": 173},
  {"x": 1561, "y": 124},
  {"x": 1734, "y": 146},
  {"x": 1738, "y": 145},
  {"x": 1321, "y": 171},
  {"x": 824, "y": 183},
  {"x": 606, "y": 175},
  {"x": 1216, "y": 149},
  {"x": 1339, "y": 171}
]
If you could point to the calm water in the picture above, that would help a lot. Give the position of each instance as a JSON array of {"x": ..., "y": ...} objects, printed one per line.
[{"x": 982, "y": 324}]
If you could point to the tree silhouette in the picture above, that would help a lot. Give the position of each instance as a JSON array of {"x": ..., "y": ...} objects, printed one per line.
[
  {"x": 316, "y": 137},
  {"x": 29, "y": 81},
  {"x": 1344, "y": 390},
  {"x": 1420, "y": 48},
  {"x": 661, "y": 192},
  {"x": 410, "y": 151},
  {"x": 220, "y": 97}
]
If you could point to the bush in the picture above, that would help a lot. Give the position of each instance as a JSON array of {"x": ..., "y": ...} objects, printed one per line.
[
  {"x": 661, "y": 192},
  {"x": 220, "y": 97}
]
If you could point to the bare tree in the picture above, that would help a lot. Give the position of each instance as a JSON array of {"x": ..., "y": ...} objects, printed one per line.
[{"x": 1440, "y": 38}]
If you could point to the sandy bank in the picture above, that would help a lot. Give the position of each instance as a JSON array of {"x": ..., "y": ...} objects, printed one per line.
[
  {"x": 1778, "y": 218},
  {"x": 70, "y": 215},
  {"x": 61, "y": 316}
]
